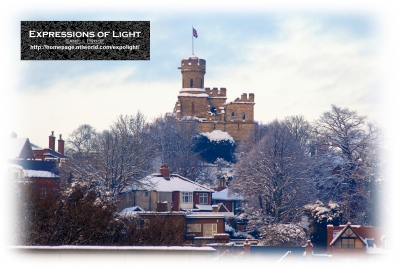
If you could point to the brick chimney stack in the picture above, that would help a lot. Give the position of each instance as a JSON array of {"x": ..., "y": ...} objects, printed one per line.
[
  {"x": 164, "y": 170},
  {"x": 52, "y": 141},
  {"x": 61, "y": 145},
  {"x": 309, "y": 247}
]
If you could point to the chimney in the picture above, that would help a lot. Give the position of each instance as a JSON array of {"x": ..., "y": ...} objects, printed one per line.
[
  {"x": 61, "y": 145},
  {"x": 52, "y": 141},
  {"x": 164, "y": 170},
  {"x": 13, "y": 135},
  {"x": 309, "y": 247},
  {"x": 246, "y": 248},
  {"x": 214, "y": 208}
]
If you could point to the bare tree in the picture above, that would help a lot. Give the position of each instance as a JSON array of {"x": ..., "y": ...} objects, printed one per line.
[
  {"x": 301, "y": 130},
  {"x": 273, "y": 175},
  {"x": 81, "y": 140},
  {"x": 119, "y": 157},
  {"x": 173, "y": 145},
  {"x": 346, "y": 149}
]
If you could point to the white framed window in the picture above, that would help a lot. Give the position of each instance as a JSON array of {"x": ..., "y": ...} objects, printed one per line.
[
  {"x": 203, "y": 198},
  {"x": 209, "y": 229},
  {"x": 186, "y": 197}
]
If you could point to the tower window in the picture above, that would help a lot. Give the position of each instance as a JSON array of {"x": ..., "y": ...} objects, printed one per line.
[
  {"x": 233, "y": 116},
  {"x": 201, "y": 83},
  {"x": 191, "y": 82}
]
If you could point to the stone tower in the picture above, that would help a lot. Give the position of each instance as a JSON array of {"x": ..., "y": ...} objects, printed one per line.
[{"x": 209, "y": 106}]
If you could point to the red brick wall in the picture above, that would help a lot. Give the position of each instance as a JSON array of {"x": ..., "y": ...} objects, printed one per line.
[{"x": 176, "y": 201}]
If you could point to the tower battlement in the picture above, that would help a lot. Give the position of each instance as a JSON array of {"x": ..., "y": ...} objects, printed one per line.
[
  {"x": 215, "y": 92},
  {"x": 193, "y": 63}
]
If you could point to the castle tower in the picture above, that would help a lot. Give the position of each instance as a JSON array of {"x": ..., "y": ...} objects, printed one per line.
[
  {"x": 193, "y": 70},
  {"x": 192, "y": 98},
  {"x": 209, "y": 106}
]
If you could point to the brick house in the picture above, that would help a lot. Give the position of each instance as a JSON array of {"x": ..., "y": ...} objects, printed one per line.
[
  {"x": 197, "y": 228},
  {"x": 353, "y": 241},
  {"x": 231, "y": 201},
  {"x": 34, "y": 168},
  {"x": 168, "y": 192}
]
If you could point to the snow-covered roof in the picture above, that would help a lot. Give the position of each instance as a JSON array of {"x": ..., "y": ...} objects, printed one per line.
[
  {"x": 39, "y": 174},
  {"x": 199, "y": 215},
  {"x": 348, "y": 226},
  {"x": 174, "y": 183},
  {"x": 226, "y": 194},
  {"x": 15, "y": 148},
  {"x": 218, "y": 135},
  {"x": 131, "y": 211},
  {"x": 192, "y": 89},
  {"x": 200, "y": 95}
]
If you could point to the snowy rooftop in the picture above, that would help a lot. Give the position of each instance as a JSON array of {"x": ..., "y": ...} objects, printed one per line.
[
  {"x": 15, "y": 146},
  {"x": 226, "y": 195},
  {"x": 174, "y": 183},
  {"x": 39, "y": 174},
  {"x": 192, "y": 90}
]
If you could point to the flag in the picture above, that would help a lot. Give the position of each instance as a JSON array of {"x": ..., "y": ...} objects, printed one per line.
[{"x": 194, "y": 32}]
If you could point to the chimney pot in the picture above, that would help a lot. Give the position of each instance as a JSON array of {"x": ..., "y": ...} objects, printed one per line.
[
  {"x": 52, "y": 141},
  {"x": 61, "y": 145}
]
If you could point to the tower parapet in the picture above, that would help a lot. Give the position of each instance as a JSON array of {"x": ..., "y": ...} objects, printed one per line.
[{"x": 193, "y": 70}]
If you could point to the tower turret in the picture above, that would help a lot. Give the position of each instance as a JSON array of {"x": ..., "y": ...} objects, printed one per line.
[{"x": 193, "y": 70}]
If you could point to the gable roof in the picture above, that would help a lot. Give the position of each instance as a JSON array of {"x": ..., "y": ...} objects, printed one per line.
[
  {"x": 343, "y": 231},
  {"x": 19, "y": 148},
  {"x": 174, "y": 183},
  {"x": 226, "y": 194}
]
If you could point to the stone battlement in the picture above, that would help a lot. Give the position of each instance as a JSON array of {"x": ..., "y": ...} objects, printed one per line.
[{"x": 215, "y": 92}]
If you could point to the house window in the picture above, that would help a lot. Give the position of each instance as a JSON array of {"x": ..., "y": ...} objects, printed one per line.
[
  {"x": 203, "y": 198},
  {"x": 162, "y": 196},
  {"x": 209, "y": 230},
  {"x": 186, "y": 197},
  {"x": 233, "y": 116},
  {"x": 42, "y": 192},
  {"x": 243, "y": 116},
  {"x": 194, "y": 228},
  {"x": 144, "y": 193},
  {"x": 348, "y": 243}
]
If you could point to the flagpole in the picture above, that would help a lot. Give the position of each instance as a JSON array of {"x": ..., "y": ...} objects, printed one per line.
[{"x": 192, "y": 42}]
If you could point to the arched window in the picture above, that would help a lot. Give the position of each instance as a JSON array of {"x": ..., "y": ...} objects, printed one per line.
[
  {"x": 233, "y": 116},
  {"x": 191, "y": 82},
  {"x": 243, "y": 116}
]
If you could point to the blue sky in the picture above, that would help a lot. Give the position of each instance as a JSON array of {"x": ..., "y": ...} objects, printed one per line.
[{"x": 294, "y": 61}]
